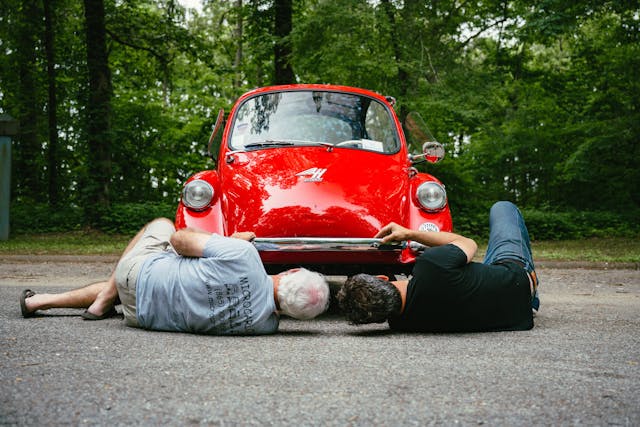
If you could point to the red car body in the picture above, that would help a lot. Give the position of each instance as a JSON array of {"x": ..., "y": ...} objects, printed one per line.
[{"x": 311, "y": 202}]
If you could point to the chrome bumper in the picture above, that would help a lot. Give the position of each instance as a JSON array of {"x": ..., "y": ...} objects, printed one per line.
[{"x": 324, "y": 244}]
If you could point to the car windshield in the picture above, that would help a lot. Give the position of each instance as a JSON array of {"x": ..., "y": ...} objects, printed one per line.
[{"x": 311, "y": 118}]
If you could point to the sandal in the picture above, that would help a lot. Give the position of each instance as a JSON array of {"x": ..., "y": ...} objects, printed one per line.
[
  {"x": 27, "y": 293},
  {"x": 90, "y": 316}
]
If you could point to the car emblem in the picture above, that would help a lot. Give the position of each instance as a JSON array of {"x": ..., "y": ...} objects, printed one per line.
[
  {"x": 314, "y": 174},
  {"x": 428, "y": 226}
]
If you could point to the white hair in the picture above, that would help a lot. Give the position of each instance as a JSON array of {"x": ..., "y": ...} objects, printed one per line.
[{"x": 303, "y": 294}]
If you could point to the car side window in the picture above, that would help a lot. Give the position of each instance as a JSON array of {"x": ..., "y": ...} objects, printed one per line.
[{"x": 380, "y": 128}]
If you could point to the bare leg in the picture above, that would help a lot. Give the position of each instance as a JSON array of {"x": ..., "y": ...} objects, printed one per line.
[
  {"x": 107, "y": 296},
  {"x": 77, "y": 298},
  {"x": 105, "y": 299},
  {"x": 97, "y": 297}
]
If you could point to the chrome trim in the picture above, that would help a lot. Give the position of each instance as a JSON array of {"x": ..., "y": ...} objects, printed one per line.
[
  {"x": 328, "y": 244},
  {"x": 417, "y": 247}
]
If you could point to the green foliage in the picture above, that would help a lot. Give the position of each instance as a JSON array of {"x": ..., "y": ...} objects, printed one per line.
[
  {"x": 128, "y": 218},
  {"x": 30, "y": 217},
  {"x": 606, "y": 154},
  {"x": 545, "y": 225},
  {"x": 125, "y": 218},
  {"x": 534, "y": 102},
  {"x": 331, "y": 46}
]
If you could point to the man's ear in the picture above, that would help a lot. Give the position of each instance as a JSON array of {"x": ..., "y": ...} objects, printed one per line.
[{"x": 383, "y": 277}]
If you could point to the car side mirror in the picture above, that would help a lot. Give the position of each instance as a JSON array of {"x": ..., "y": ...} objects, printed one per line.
[
  {"x": 417, "y": 130},
  {"x": 432, "y": 152}
]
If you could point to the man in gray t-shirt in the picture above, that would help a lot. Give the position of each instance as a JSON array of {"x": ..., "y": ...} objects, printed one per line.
[{"x": 193, "y": 281}]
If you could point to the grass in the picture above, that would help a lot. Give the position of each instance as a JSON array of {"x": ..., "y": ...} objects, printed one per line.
[
  {"x": 616, "y": 249},
  {"x": 611, "y": 249},
  {"x": 93, "y": 243},
  {"x": 69, "y": 243}
]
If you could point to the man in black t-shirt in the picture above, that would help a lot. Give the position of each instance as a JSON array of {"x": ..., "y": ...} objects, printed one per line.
[{"x": 447, "y": 291}]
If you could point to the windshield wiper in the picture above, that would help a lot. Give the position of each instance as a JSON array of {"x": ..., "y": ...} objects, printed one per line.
[
  {"x": 269, "y": 143},
  {"x": 286, "y": 143}
]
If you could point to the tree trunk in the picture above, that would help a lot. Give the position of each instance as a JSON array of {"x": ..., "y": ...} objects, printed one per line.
[
  {"x": 52, "y": 168},
  {"x": 28, "y": 155},
  {"x": 98, "y": 112},
  {"x": 282, "y": 49},
  {"x": 237, "y": 62},
  {"x": 403, "y": 74}
]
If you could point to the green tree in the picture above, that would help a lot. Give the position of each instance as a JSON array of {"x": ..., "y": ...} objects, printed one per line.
[
  {"x": 535, "y": 102},
  {"x": 603, "y": 168}
]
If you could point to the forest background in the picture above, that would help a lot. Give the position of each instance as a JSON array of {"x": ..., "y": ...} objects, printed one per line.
[{"x": 535, "y": 102}]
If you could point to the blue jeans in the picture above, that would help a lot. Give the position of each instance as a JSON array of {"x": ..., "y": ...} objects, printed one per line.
[{"x": 509, "y": 239}]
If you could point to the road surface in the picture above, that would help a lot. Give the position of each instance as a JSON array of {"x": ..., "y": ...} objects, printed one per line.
[{"x": 580, "y": 365}]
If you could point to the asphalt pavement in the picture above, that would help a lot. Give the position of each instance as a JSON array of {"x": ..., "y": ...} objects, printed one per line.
[{"x": 580, "y": 365}]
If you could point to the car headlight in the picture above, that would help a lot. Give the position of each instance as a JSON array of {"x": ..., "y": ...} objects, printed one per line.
[
  {"x": 431, "y": 196},
  {"x": 197, "y": 194}
]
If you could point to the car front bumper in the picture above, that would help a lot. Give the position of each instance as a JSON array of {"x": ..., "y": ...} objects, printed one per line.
[
  {"x": 337, "y": 256},
  {"x": 324, "y": 244}
]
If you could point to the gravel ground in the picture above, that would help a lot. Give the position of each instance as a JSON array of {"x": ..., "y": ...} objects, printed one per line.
[{"x": 580, "y": 365}]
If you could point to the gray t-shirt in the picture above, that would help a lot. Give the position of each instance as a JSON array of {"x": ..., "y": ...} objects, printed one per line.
[{"x": 226, "y": 292}]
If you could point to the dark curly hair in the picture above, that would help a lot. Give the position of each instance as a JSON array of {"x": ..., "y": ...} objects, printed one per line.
[{"x": 368, "y": 299}]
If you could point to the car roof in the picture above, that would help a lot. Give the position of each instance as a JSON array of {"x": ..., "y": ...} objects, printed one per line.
[{"x": 319, "y": 87}]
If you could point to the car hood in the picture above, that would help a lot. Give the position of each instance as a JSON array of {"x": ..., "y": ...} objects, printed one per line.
[{"x": 313, "y": 192}]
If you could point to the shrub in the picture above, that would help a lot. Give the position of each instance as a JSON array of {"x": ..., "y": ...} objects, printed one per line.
[
  {"x": 28, "y": 217},
  {"x": 124, "y": 218},
  {"x": 551, "y": 225},
  {"x": 128, "y": 218}
]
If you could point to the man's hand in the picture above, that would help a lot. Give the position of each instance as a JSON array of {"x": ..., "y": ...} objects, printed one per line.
[
  {"x": 244, "y": 235},
  {"x": 393, "y": 232}
]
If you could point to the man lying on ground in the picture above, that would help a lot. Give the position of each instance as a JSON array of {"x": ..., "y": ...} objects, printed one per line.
[
  {"x": 193, "y": 281},
  {"x": 447, "y": 291}
]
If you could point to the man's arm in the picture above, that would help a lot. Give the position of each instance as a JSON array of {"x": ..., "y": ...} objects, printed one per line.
[
  {"x": 393, "y": 232},
  {"x": 191, "y": 241}
]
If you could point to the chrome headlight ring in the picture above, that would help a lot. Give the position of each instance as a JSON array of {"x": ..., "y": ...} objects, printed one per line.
[
  {"x": 197, "y": 195},
  {"x": 432, "y": 196}
]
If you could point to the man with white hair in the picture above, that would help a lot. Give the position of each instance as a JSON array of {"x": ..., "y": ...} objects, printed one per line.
[{"x": 194, "y": 281}]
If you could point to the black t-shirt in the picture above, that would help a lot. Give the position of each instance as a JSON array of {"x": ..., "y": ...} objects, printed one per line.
[{"x": 447, "y": 294}]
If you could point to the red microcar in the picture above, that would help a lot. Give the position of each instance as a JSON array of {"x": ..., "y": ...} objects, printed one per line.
[{"x": 315, "y": 171}]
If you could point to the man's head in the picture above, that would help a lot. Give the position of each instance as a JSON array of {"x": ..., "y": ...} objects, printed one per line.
[
  {"x": 302, "y": 294},
  {"x": 369, "y": 299}
]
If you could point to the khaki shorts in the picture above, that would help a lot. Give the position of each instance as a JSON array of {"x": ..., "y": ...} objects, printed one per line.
[{"x": 154, "y": 240}]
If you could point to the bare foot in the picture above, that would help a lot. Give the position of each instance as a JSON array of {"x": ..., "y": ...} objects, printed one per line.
[
  {"x": 99, "y": 308},
  {"x": 36, "y": 302},
  {"x": 29, "y": 303},
  {"x": 104, "y": 302}
]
